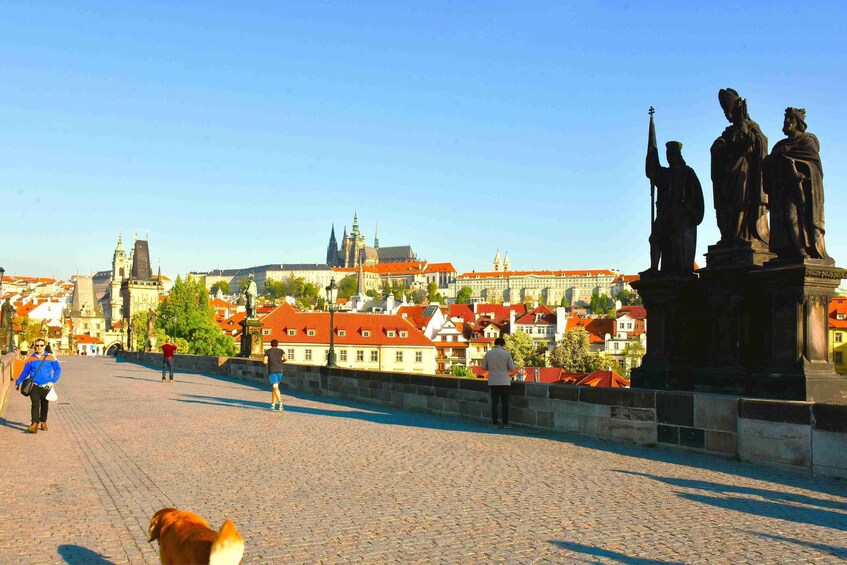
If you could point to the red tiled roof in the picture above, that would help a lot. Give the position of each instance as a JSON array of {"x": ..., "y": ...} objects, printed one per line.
[
  {"x": 547, "y": 316},
  {"x": 597, "y": 328},
  {"x": 352, "y": 325},
  {"x": 838, "y": 307},
  {"x": 463, "y": 311},
  {"x": 82, "y": 338},
  {"x": 414, "y": 314},
  {"x": 608, "y": 379},
  {"x": 635, "y": 312},
  {"x": 440, "y": 268}
]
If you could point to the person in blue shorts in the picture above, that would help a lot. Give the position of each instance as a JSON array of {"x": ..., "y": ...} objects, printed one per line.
[{"x": 274, "y": 358}]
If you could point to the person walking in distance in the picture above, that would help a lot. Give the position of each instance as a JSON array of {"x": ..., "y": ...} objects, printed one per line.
[
  {"x": 44, "y": 370},
  {"x": 500, "y": 366},
  {"x": 274, "y": 358},
  {"x": 168, "y": 351}
]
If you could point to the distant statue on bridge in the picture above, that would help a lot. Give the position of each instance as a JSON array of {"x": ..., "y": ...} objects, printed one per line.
[{"x": 251, "y": 295}]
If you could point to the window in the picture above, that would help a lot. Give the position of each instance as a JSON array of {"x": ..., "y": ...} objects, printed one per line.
[
  {"x": 374, "y": 356},
  {"x": 839, "y": 357},
  {"x": 389, "y": 333},
  {"x": 290, "y": 354},
  {"x": 418, "y": 356},
  {"x": 310, "y": 332},
  {"x": 366, "y": 333},
  {"x": 308, "y": 355},
  {"x": 343, "y": 355},
  {"x": 838, "y": 337},
  {"x": 398, "y": 356},
  {"x": 404, "y": 334},
  {"x": 292, "y": 332},
  {"x": 266, "y": 332},
  {"x": 341, "y": 333},
  {"x": 360, "y": 356}
]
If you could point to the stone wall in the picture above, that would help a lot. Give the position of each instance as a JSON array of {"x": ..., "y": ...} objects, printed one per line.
[
  {"x": 799, "y": 435},
  {"x": 7, "y": 375}
]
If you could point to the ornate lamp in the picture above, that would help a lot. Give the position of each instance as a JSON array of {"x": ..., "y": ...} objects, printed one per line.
[{"x": 331, "y": 296}]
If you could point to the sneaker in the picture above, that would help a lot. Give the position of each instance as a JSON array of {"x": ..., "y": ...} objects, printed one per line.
[
  {"x": 163, "y": 380},
  {"x": 273, "y": 406},
  {"x": 280, "y": 406},
  {"x": 495, "y": 425},
  {"x": 171, "y": 381},
  {"x": 506, "y": 427}
]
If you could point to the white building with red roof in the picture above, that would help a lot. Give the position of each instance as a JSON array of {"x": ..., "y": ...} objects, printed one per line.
[
  {"x": 375, "y": 342},
  {"x": 546, "y": 286}
]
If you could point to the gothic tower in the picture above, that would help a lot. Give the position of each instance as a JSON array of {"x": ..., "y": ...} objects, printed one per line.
[
  {"x": 498, "y": 265},
  {"x": 120, "y": 271},
  {"x": 506, "y": 265},
  {"x": 332, "y": 254}
]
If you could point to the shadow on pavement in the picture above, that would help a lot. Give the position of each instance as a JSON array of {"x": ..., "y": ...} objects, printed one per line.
[
  {"x": 16, "y": 425},
  {"x": 76, "y": 554},
  {"x": 608, "y": 554},
  {"x": 734, "y": 489},
  {"x": 830, "y": 549},
  {"x": 790, "y": 513}
]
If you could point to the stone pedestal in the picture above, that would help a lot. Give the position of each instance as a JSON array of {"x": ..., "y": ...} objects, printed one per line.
[
  {"x": 733, "y": 317},
  {"x": 252, "y": 345},
  {"x": 675, "y": 336},
  {"x": 796, "y": 364}
]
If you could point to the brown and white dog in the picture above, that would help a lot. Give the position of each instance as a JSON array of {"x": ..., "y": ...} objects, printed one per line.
[{"x": 186, "y": 539}]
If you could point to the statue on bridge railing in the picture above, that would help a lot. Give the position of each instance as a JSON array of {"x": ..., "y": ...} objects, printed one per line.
[{"x": 250, "y": 296}]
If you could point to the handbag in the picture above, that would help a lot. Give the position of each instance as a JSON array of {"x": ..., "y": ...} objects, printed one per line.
[
  {"x": 52, "y": 396},
  {"x": 28, "y": 383}
]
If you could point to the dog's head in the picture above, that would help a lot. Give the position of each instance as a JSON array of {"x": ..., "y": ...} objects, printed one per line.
[{"x": 156, "y": 523}]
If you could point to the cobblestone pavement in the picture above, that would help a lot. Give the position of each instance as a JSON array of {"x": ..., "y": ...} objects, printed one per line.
[{"x": 335, "y": 482}]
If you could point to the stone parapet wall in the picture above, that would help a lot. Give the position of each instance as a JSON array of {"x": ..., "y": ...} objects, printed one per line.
[
  {"x": 799, "y": 435},
  {"x": 7, "y": 375}
]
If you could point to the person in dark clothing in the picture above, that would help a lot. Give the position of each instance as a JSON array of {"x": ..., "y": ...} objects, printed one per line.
[{"x": 274, "y": 358}]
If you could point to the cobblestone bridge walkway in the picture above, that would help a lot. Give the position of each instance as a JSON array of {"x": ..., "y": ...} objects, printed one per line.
[{"x": 335, "y": 482}]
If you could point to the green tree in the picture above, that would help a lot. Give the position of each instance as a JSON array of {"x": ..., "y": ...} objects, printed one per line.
[
  {"x": 629, "y": 298},
  {"x": 632, "y": 352},
  {"x": 601, "y": 304},
  {"x": 464, "y": 295},
  {"x": 188, "y": 315},
  {"x": 522, "y": 348},
  {"x": 347, "y": 287},
  {"x": 223, "y": 286},
  {"x": 564, "y": 302},
  {"x": 461, "y": 371},
  {"x": 573, "y": 353},
  {"x": 432, "y": 293}
]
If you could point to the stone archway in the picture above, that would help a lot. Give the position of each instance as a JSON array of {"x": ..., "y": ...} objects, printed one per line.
[{"x": 113, "y": 348}]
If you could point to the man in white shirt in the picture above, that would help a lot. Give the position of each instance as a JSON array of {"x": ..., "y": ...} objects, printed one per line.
[{"x": 500, "y": 366}]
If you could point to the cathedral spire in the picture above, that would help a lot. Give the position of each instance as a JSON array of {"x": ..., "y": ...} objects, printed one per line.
[
  {"x": 376, "y": 237},
  {"x": 497, "y": 263},
  {"x": 355, "y": 231},
  {"x": 120, "y": 246},
  {"x": 332, "y": 249}
]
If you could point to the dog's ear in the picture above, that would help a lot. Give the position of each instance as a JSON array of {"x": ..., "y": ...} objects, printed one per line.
[{"x": 155, "y": 523}]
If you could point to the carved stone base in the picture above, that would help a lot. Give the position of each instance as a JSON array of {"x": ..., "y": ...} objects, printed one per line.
[
  {"x": 674, "y": 343},
  {"x": 252, "y": 345},
  {"x": 738, "y": 253},
  {"x": 796, "y": 364}
]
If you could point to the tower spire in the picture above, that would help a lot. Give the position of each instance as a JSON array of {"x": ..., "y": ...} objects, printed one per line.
[{"x": 376, "y": 236}]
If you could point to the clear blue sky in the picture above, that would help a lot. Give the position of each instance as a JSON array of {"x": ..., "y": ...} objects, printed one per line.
[{"x": 236, "y": 134}]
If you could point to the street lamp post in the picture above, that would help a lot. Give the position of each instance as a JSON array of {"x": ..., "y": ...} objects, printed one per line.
[{"x": 331, "y": 295}]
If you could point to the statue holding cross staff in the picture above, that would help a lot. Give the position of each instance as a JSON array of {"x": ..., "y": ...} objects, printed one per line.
[{"x": 678, "y": 208}]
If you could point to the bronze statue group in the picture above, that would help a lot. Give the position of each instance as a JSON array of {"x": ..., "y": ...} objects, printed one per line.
[{"x": 747, "y": 184}]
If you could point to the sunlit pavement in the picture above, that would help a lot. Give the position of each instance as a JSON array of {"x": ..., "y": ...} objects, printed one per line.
[{"x": 337, "y": 481}]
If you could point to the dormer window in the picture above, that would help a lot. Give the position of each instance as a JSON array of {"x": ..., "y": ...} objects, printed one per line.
[
  {"x": 366, "y": 333},
  {"x": 404, "y": 334},
  {"x": 840, "y": 316},
  {"x": 310, "y": 332},
  {"x": 389, "y": 333},
  {"x": 341, "y": 333},
  {"x": 292, "y": 332},
  {"x": 266, "y": 332}
]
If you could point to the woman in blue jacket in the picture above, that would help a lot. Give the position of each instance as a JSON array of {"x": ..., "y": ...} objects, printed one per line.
[{"x": 45, "y": 370}]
